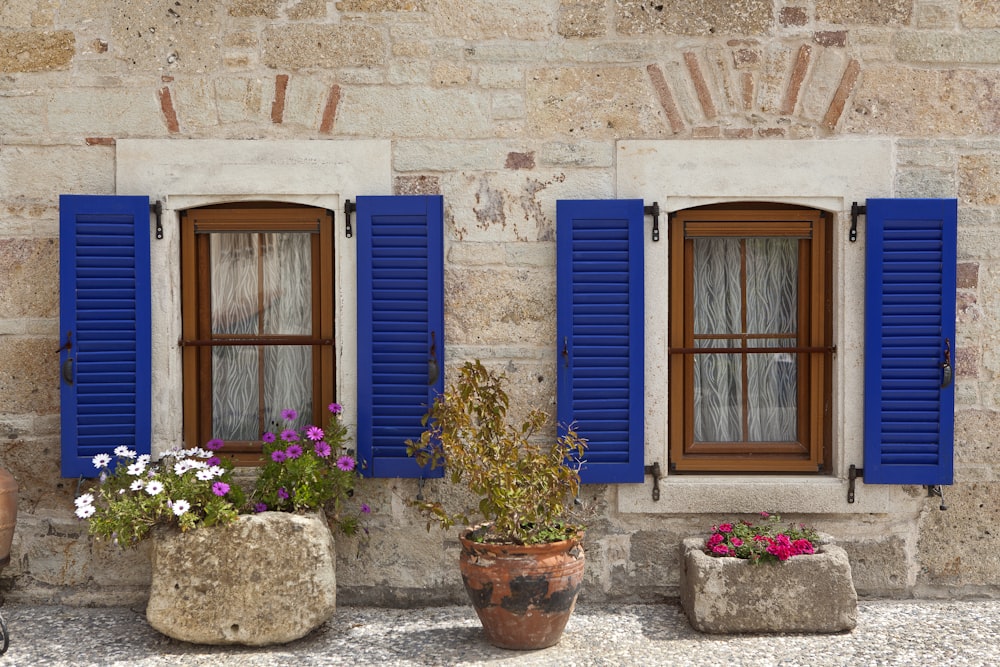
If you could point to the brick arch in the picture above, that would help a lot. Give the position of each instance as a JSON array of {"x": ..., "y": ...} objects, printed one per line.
[{"x": 746, "y": 89}]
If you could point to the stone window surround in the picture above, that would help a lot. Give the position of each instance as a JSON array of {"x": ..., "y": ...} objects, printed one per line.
[
  {"x": 184, "y": 174},
  {"x": 823, "y": 174}
]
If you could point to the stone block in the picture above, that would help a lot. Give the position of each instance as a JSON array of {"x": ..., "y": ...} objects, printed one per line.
[
  {"x": 979, "y": 178},
  {"x": 883, "y": 12},
  {"x": 979, "y": 13},
  {"x": 489, "y": 306},
  {"x": 813, "y": 593},
  {"x": 179, "y": 37},
  {"x": 413, "y": 112},
  {"x": 304, "y": 45},
  {"x": 494, "y": 19},
  {"x": 878, "y": 566},
  {"x": 36, "y": 51},
  {"x": 958, "y": 550},
  {"x": 586, "y": 18},
  {"x": 926, "y": 46},
  {"x": 268, "y": 578},
  {"x": 708, "y": 17},
  {"x": 29, "y": 288}
]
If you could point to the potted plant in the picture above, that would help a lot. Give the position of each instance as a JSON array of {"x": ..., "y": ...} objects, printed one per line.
[
  {"x": 766, "y": 577},
  {"x": 230, "y": 567},
  {"x": 522, "y": 565}
]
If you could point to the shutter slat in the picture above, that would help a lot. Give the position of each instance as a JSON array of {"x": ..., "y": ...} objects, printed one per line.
[
  {"x": 400, "y": 318},
  {"x": 600, "y": 320},
  {"x": 105, "y": 303},
  {"x": 909, "y": 316}
]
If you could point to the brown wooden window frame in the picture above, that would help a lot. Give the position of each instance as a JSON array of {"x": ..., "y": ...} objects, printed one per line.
[
  {"x": 811, "y": 451},
  {"x": 198, "y": 340}
]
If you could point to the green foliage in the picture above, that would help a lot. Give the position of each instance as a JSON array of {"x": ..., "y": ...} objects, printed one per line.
[
  {"x": 185, "y": 489},
  {"x": 524, "y": 488},
  {"x": 307, "y": 471}
]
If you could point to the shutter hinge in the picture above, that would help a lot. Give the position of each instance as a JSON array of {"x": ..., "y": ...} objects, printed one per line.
[
  {"x": 853, "y": 473},
  {"x": 156, "y": 208},
  {"x": 655, "y": 471},
  {"x": 654, "y": 211},
  {"x": 856, "y": 211},
  {"x": 349, "y": 208}
]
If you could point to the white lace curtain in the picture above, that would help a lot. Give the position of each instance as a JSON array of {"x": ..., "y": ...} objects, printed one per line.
[
  {"x": 261, "y": 284},
  {"x": 758, "y": 312}
]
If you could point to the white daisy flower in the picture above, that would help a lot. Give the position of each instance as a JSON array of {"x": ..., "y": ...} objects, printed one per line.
[
  {"x": 154, "y": 487},
  {"x": 136, "y": 469},
  {"x": 137, "y": 485},
  {"x": 205, "y": 475},
  {"x": 217, "y": 471},
  {"x": 180, "y": 507},
  {"x": 85, "y": 511},
  {"x": 182, "y": 466},
  {"x": 143, "y": 459},
  {"x": 102, "y": 461},
  {"x": 124, "y": 452},
  {"x": 85, "y": 499}
]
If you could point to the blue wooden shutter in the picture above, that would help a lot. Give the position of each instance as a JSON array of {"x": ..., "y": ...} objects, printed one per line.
[
  {"x": 600, "y": 333},
  {"x": 400, "y": 327},
  {"x": 909, "y": 337},
  {"x": 104, "y": 314}
]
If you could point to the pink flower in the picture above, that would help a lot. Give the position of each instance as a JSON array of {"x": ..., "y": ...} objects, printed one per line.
[
  {"x": 278, "y": 456},
  {"x": 293, "y": 451},
  {"x": 737, "y": 542},
  {"x": 726, "y": 528},
  {"x": 314, "y": 433},
  {"x": 289, "y": 415},
  {"x": 214, "y": 444},
  {"x": 716, "y": 538},
  {"x": 220, "y": 488},
  {"x": 322, "y": 449},
  {"x": 289, "y": 435},
  {"x": 764, "y": 515},
  {"x": 282, "y": 493},
  {"x": 721, "y": 549},
  {"x": 800, "y": 547},
  {"x": 345, "y": 463},
  {"x": 365, "y": 509},
  {"x": 213, "y": 461},
  {"x": 335, "y": 408},
  {"x": 268, "y": 437}
]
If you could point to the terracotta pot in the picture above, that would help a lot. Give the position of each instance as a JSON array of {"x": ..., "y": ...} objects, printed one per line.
[
  {"x": 523, "y": 594},
  {"x": 8, "y": 514}
]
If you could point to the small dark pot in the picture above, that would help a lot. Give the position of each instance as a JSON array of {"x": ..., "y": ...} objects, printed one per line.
[{"x": 523, "y": 594}]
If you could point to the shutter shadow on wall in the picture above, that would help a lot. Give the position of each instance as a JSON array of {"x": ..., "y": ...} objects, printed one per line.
[
  {"x": 910, "y": 341},
  {"x": 400, "y": 327},
  {"x": 104, "y": 318},
  {"x": 600, "y": 333}
]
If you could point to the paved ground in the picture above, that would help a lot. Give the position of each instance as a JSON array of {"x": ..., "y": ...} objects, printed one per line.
[{"x": 888, "y": 633}]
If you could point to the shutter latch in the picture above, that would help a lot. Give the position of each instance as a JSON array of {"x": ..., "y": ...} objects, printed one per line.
[
  {"x": 654, "y": 210},
  {"x": 855, "y": 212},
  {"x": 655, "y": 471},
  {"x": 936, "y": 490},
  {"x": 349, "y": 208},
  {"x": 157, "y": 209},
  {"x": 853, "y": 473}
]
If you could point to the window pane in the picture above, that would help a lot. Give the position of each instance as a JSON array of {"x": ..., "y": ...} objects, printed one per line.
[
  {"x": 234, "y": 283},
  {"x": 287, "y": 268},
  {"x": 772, "y": 401},
  {"x": 716, "y": 286},
  {"x": 718, "y": 395},
  {"x": 772, "y": 285},
  {"x": 288, "y": 385},
  {"x": 235, "y": 395}
]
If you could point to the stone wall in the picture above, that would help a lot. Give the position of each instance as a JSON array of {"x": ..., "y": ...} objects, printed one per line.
[{"x": 503, "y": 107}]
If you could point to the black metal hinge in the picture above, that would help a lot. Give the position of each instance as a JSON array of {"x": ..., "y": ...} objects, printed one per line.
[
  {"x": 156, "y": 208},
  {"x": 856, "y": 211},
  {"x": 656, "y": 473},
  {"x": 853, "y": 473},
  {"x": 654, "y": 210},
  {"x": 349, "y": 208}
]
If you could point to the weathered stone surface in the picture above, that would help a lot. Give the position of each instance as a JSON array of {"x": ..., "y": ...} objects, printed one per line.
[
  {"x": 381, "y": 5},
  {"x": 880, "y": 12},
  {"x": 593, "y": 102},
  {"x": 307, "y": 45},
  {"x": 586, "y": 18},
  {"x": 521, "y": 306},
  {"x": 982, "y": 47},
  {"x": 35, "y": 51},
  {"x": 959, "y": 549},
  {"x": 878, "y": 566},
  {"x": 181, "y": 36},
  {"x": 979, "y": 13},
  {"x": 494, "y": 19},
  {"x": 975, "y": 435},
  {"x": 412, "y": 112},
  {"x": 30, "y": 287},
  {"x": 952, "y": 102},
  {"x": 979, "y": 178},
  {"x": 812, "y": 593},
  {"x": 708, "y": 17},
  {"x": 28, "y": 375},
  {"x": 268, "y": 578}
]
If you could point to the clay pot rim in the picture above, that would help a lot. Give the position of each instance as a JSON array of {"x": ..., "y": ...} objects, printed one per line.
[{"x": 511, "y": 547}]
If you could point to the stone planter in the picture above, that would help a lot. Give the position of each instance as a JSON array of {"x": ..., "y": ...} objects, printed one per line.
[
  {"x": 812, "y": 593},
  {"x": 268, "y": 578}
]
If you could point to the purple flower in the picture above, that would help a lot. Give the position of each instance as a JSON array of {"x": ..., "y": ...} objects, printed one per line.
[
  {"x": 259, "y": 507},
  {"x": 282, "y": 493},
  {"x": 220, "y": 488},
  {"x": 314, "y": 433},
  {"x": 293, "y": 451},
  {"x": 214, "y": 444},
  {"x": 322, "y": 450},
  {"x": 289, "y": 435},
  {"x": 345, "y": 463},
  {"x": 268, "y": 437},
  {"x": 365, "y": 509},
  {"x": 335, "y": 408},
  {"x": 213, "y": 461},
  {"x": 278, "y": 456},
  {"x": 289, "y": 415}
]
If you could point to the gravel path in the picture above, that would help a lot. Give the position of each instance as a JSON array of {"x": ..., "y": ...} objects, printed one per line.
[{"x": 908, "y": 633}]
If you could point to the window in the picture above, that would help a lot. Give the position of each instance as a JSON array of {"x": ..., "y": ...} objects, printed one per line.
[
  {"x": 257, "y": 319},
  {"x": 750, "y": 333}
]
